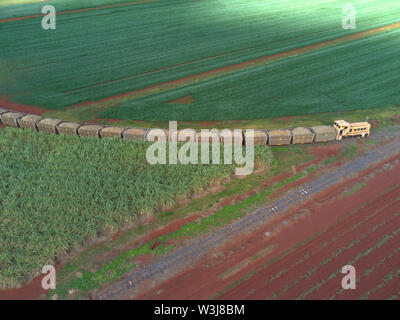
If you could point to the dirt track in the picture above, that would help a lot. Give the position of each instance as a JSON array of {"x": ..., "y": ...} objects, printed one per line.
[
  {"x": 209, "y": 264},
  {"x": 246, "y": 251},
  {"x": 336, "y": 217}
]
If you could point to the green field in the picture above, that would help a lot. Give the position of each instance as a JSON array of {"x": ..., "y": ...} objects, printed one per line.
[
  {"x": 58, "y": 192},
  {"x": 152, "y": 46}
]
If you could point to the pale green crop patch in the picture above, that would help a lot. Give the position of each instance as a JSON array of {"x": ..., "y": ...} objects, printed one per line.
[{"x": 57, "y": 192}]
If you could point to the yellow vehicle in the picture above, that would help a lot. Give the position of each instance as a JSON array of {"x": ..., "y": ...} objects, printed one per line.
[{"x": 355, "y": 129}]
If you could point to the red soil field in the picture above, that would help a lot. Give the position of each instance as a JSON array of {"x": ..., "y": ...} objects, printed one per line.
[
  {"x": 319, "y": 253},
  {"x": 343, "y": 206},
  {"x": 32, "y": 290},
  {"x": 326, "y": 228},
  {"x": 20, "y": 107}
]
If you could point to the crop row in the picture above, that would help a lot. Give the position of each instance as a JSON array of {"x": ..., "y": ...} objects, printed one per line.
[
  {"x": 275, "y": 137},
  {"x": 57, "y": 192},
  {"x": 102, "y": 54}
]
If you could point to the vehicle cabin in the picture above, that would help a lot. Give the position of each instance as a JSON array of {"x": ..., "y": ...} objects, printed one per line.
[{"x": 355, "y": 129}]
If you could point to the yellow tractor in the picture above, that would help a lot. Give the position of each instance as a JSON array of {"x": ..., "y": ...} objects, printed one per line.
[{"x": 355, "y": 129}]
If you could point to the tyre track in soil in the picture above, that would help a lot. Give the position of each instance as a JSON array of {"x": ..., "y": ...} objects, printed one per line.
[
  {"x": 197, "y": 288},
  {"x": 292, "y": 270},
  {"x": 195, "y": 250}
]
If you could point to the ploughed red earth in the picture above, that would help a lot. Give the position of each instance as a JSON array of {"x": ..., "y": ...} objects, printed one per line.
[
  {"x": 20, "y": 107},
  {"x": 302, "y": 258},
  {"x": 299, "y": 254},
  {"x": 33, "y": 290}
]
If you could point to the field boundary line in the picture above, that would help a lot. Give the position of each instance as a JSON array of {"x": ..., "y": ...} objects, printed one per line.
[
  {"x": 116, "y": 5},
  {"x": 17, "y": 119},
  {"x": 222, "y": 71}
]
